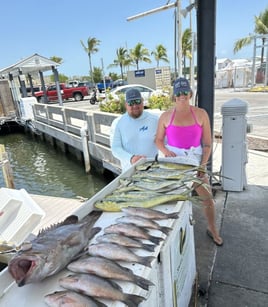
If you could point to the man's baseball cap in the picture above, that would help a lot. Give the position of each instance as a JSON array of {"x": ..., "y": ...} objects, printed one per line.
[{"x": 133, "y": 94}]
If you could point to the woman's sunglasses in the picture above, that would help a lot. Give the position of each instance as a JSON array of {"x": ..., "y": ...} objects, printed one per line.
[
  {"x": 184, "y": 93},
  {"x": 134, "y": 101}
]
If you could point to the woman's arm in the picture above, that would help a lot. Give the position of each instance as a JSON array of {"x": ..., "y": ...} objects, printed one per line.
[{"x": 206, "y": 138}]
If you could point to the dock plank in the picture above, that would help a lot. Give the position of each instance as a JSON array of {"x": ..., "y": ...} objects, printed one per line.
[{"x": 56, "y": 209}]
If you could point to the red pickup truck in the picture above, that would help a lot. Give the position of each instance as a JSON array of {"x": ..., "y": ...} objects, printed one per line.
[{"x": 67, "y": 92}]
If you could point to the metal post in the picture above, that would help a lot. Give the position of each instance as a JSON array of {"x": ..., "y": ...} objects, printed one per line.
[
  {"x": 179, "y": 49},
  {"x": 206, "y": 16}
]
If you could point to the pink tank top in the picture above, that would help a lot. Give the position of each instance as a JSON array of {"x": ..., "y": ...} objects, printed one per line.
[{"x": 184, "y": 136}]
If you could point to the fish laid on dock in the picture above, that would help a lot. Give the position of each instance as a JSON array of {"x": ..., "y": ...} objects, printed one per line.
[
  {"x": 154, "y": 201},
  {"x": 118, "y": 252},
  {"x": 107, "y": 268},
  {"x": 143, "y": 222},
  {"x": 133, "y": 231},
  {"x": 99, "y": 287},
  {"x": 52, "y": 250},
  {"x": 150, "y": 213},
  {"x": 71, "y": 299},
  {"x": 125, "y": 241}
]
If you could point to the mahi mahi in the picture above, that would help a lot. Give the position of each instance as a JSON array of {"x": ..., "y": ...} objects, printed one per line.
[
  {"x": 154, "y": 201},
  {"x": 52, "y": 250}
]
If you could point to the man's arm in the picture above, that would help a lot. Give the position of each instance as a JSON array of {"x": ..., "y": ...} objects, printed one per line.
[{"x": 117, "y": 148}]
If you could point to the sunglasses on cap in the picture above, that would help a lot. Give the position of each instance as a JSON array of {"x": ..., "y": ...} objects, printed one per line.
[
  {"x": 134, "y": 101},
  {"x": 184, "y": 93}
]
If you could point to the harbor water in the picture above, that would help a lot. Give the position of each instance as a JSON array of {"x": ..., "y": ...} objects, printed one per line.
[{"x": 39, "y": 168}]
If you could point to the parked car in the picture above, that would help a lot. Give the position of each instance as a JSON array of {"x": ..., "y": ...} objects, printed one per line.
[
  {"x": 89, "y": 84},
  {"x": 146, "y": 92},
  {"x": 119, "y": 82}
]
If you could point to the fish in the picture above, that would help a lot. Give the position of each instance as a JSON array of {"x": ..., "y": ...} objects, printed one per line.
[
  {"x": 107, "y": 268},
  {"x": 68, "y": 298},
  {"x": 131, "y": 230},
  {"x": 99, "y": 287},
  {"x": 164, "y": 165},
  {"x": 118, "y": 252},
  {"x": 143, "y": 222},
  {"x": 125, "y": 241},
  {"x": 52, "y": 249},
  {"x": 112, "y": 206},
  {"x": 150, "y": 213}
]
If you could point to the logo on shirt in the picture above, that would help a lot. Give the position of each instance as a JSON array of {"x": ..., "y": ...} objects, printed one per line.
[{"x": 144, "y": 128}]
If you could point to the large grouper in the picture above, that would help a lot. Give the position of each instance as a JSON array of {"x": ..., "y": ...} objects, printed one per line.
[{"x": 53, "y": 249}]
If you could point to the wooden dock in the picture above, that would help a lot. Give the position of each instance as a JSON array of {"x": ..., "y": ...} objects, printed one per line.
[{"x": 56, "y": 209}]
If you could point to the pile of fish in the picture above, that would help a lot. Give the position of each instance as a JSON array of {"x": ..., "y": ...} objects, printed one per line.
[
  {"x": 94, "y": 275},
  {"x": 152, "y": 183},
  {"x": 97, "y": 263}
]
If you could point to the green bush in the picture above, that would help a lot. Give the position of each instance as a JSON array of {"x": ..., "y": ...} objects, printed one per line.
[
  {"x": 112, "y": 105},
  {"x": 160, "y": 102}
]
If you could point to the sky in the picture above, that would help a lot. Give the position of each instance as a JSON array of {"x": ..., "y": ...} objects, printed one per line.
[{"x": 55, "y": 28}]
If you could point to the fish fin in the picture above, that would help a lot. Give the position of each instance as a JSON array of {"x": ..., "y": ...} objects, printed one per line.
[
  {"x": 143, "y": 283},
  {"x": 165, "y": 230},
  {"x": 132, "y": 300},
  {"x": 155, "y": 240},
  {"x": 92, "y": 216},
  {"x": 71, "y": 219},
  {"x": 146, "y": 261},
  {"x": 149, "y": 247}
]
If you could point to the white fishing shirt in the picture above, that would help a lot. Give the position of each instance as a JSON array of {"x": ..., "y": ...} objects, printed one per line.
[{"x": 133, "y": 136}]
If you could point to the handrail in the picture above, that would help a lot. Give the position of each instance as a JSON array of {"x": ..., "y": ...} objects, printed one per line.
[{"x": 65, "y": 124}]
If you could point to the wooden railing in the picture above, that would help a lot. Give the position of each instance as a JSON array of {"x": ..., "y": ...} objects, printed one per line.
[{"x": 88, "y": 132}]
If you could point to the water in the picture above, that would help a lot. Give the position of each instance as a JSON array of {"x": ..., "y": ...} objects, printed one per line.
[{"x": 41, "y": 169}]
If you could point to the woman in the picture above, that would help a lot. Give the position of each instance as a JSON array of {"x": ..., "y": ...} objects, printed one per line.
[{"x": 185, "y": 131}]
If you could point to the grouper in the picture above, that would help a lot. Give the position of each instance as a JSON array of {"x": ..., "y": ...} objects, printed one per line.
[{"x": 53, "y": 249}]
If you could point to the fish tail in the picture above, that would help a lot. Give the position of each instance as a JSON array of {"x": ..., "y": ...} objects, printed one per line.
[
  {"x": 155, "y": 240},
  {"x": 173, "y": 215},
  {"x": 133, "y": 300},
  {"x": 146, "y": 261},
  {"x": 149, "y": 247},
  {"x": 165, "y": 230},
  {"x": 143, "y": 283}
]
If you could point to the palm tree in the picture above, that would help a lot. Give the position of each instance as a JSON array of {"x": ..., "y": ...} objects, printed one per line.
[
  {"x": 122, "y": 60},
  {"x": 186, "y": 47},
  {"x": 56, "y": 59},
  {"x": 91, "y": 48},
  {"x": 139, "y": 54},
  {"x": 160, "y": 54},
  {"x": 261, "y": 27}
]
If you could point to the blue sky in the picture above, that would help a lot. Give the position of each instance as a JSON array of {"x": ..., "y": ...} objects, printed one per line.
[{"x": 55, "y": 28}]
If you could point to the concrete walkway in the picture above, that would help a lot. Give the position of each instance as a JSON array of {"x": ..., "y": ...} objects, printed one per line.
[{"x": 235, "y": 274}]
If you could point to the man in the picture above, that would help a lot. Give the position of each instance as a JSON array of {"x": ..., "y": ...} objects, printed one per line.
[{"x": 133, "y": 133}]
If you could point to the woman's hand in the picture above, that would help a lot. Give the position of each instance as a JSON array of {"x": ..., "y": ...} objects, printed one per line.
[{"x": 169, "y": 153}]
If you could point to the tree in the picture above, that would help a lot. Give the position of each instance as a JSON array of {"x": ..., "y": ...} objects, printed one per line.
[
  {"x": 261, "y": 28},
  {"x": 91, "y": 48},
  {"x": 139, "y": 54},
  {"x": 186, "y": 47},
  {"x": 160, "y": 54},
  {"x": 122, "y": 60},
  {"x": 56, "y": 59}
]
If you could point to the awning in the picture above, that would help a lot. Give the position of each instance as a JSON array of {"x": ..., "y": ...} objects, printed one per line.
[{"x": 30, "y": 65}]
